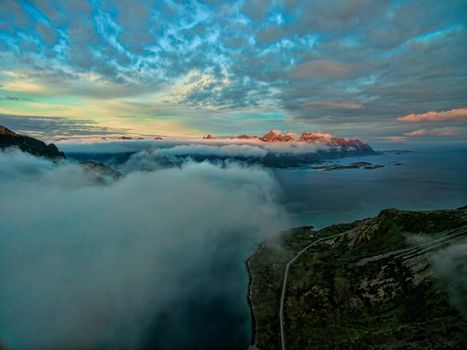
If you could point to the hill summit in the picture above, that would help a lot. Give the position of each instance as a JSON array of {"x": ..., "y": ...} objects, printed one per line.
[{"x": 28, "y": 144}]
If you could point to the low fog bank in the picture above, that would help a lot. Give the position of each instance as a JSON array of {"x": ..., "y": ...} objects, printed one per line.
[
  {"x": 450, "y": 266},
  {"x": 157, "y": 158},
  {"x": 129, "y": 265},
  {"x": 231, "y": 146},
  {"x": 151, "y": 155}
]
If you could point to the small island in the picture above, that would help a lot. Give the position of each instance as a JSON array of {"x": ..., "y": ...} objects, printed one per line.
[{"x": 356, "y": 165}]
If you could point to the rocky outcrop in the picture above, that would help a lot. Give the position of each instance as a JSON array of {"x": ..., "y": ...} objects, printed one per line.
[
  {"x": 277, "y": 136},
  {"x": 98, "y": 172},
  {"x": 396, "y": 281},
  {"x": 355, "y": 165},
  {"x": 246, "y": 137},
  {"x": 331, "y": 142},
  {"x": 101, "y": 173},
  {"x": 28, "y": 144},
  {"x": 350, "y": 144}
]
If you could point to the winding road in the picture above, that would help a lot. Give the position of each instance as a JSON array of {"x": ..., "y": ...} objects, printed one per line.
[{"x": 284, "y": 284}]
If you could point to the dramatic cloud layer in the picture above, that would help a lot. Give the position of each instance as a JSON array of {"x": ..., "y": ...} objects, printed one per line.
[
  {"x": 50, "y": 127},
  {"x": 453, "y": 114},
  {"x": 349, "y": 67},
  {"x": 435, "y": 132},
  {"x": 88, "y": 266}
]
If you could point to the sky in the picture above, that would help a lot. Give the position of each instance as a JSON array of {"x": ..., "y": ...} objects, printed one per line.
[{"x": 383, "y": 71}]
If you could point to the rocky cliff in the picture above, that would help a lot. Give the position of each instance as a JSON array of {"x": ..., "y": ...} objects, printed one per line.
[
  {"x": 101, "y": 173},
  {"x": 98, "y": 172},
  {"x": 28, "y": 144},
  {"x": 396, "y": 281},
  {"x": 331, "y": 142}
]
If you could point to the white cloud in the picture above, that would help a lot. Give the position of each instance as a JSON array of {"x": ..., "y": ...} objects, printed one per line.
[
  {"x": 89, "y": 266},
  {"x": 447, "y": 131},
  {"x": 453, "y": 114}
]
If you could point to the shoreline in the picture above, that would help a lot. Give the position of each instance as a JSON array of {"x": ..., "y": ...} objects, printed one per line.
[
  {"x": 248, "y": 296},
  {"x": 387, "y": 242}
]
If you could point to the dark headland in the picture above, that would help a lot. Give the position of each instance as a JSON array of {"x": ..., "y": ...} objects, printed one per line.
[{"x": 28, "y": 144}]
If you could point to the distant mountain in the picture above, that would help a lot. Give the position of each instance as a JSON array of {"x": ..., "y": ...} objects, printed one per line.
[
  {"x": 291, "y": 155},
  {"x": 312, "y": 137},
  {"x": 396, "y": 281},
  {"x": 277, "y": 136},
  {"x": 28, "y": 144},
  {"x": 295, "y": 152}
]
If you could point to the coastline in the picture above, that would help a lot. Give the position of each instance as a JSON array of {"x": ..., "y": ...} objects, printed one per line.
[
  {"x": 250, "y": 304},
  {"x": 382, "y": 246}
]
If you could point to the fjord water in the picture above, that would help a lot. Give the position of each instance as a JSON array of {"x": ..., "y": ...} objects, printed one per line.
[{"x": 425, "y": 179}]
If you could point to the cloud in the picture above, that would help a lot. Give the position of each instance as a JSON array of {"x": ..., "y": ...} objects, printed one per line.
[
  {"x": 333, "y": 105},
  {"x": 53, "y": 127},
  {"x": 250, "y": 151},
  {"x": 256, "y": 9},
  {"x": 196, "y": 58},
  {"x": 453, "y": 114},
  {"x": 322, "y": 69},
  {"x": 447, "y": 131},
  {"x": 87, "y": 266},
  {"x": 395, "y": 138},
  {"x": 221, "y": 151},
  {"x": 450, "y": 266},
  {"x": 15, "y": 98}
]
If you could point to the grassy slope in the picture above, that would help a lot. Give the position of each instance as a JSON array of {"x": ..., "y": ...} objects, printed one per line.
[{"x": 370, "y": 286}]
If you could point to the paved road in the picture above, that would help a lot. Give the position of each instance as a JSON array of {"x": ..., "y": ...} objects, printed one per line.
[{"x": 284, "y": 284}]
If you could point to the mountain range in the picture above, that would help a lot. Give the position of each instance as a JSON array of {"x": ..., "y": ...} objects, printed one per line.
[{"x": 275, "y": 136}]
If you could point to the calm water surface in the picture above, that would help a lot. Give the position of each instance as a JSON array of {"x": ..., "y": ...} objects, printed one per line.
[{"x": 422, "y": 180}]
